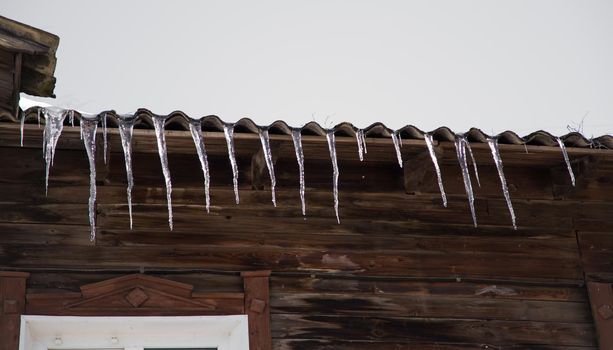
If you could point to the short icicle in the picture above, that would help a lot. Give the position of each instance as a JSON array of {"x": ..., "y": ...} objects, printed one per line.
[
  {"x": 54, "y": 124},
  {"x": 126, "y": 128},
  {"x": 472, "y": 158},
  {"x": 332, "y": 148},
  {"x": 363, "y": 138},
  {"x": 493, "y": 143},
  {"x": 38, "y": 112},
  {"x": 395, "y": 140},
  {"x": 297, "y": 139},
  {"x": 460, "y": 148},
  {"x": 195, "y": 127},
  {"x": 265, "y": 141},
  {"x": 567, "y": 160},
  {"x": 21, "y": 126},
  {"x": 228, "y": 130},
  {"x": 89, "y": 124},
  {"x": 158, "y": 124},
  {"x": 359, "y": 138},
  {"x": 104, "y": 135},
  {"x": 429, "y": 144}
]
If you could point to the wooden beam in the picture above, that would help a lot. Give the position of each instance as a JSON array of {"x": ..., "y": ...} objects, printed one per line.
[
  {"x": 12, "y": 306},
  {"x": 601, "y": 300},
  {"x": 257, "y": 307},
  {"x": 17, "y": 82}
]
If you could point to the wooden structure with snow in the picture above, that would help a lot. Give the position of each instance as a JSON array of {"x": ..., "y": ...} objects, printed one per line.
[{"x": 400, "y": 271}]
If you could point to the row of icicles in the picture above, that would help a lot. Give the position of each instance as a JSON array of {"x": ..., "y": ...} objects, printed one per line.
[{"x": 54, "y": 122}]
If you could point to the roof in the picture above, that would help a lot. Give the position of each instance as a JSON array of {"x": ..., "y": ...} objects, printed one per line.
[
  {"x": 180, "y": 121},
  {"x": 38, "y": 49}
]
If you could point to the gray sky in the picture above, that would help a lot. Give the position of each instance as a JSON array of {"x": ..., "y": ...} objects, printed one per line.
[{"x": 496, "y": 65}]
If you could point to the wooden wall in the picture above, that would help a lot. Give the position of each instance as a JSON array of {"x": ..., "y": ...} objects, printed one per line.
[{"x": 399, "y": 272}]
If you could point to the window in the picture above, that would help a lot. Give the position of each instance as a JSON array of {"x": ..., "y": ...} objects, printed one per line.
[{"x": 134, "y": 333}]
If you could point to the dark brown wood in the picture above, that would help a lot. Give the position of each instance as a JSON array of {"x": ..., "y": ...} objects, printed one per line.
[
  {"x": 135, "y": 295},
  {"x": 601, "y": 300},
  {"x": 17, "y": 82},
  {"x": 12, "y": 306},
  {"x": 257, "y": 307}
]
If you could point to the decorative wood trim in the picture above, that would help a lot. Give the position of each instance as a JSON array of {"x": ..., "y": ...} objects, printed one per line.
[
  {"x": 135, "y": 295},
  {"x": 12, "y": 306},
  {"x": 601, "y": 300},
  {"x": 257, "y": 307}
]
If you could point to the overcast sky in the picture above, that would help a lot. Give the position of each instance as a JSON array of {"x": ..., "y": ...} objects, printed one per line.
[{"x": 496, "y": 65}]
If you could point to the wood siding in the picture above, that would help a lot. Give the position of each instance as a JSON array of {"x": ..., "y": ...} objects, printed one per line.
[{"x": 399, "y": 272}]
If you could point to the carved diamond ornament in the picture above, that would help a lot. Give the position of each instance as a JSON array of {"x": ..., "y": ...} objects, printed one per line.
[{"x": 136, "y": 297}]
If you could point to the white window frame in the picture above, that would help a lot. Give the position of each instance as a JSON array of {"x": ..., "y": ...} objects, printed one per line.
[{"x": 133, "y": 333}]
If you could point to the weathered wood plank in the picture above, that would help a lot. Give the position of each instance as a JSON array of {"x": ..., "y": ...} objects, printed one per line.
[
  {"x": 293, "y": 260},
  {"x": 360, "y": 304},
  {"x": 433, "y": 330},
  {"x": 597, "y": 254},
  {"x": 292, "y": 284},
  {"x": 344, "y": 344}
]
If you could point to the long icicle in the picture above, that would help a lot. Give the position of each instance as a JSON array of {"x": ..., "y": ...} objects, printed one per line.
[
  {"x": 228, "y": 130},
  {"x": 54, "y": 123},
  {"x": 472, "y": 158},
  {"x": 265, "y": 141},
  {"x": 158, "y": 124},
  {"x": 493, "y": 143},
  {"x": 126, "y": 128},
  {"x": 297, "y": 139},
  {"x": 460, "y": 148},
  {"x": 332, "y": 148},
  {"x": 89, "y": 125},
  {"x": 104, "y": 135},
  {"x": 397, "y": 147},
  {"x": 567, "y": 160},
  {"x": 429, "y": 144},
  {"x": 195, "y": 127}
]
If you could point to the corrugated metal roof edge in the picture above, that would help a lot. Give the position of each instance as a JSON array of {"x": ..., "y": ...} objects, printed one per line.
[{"x": 178, "y": 120}]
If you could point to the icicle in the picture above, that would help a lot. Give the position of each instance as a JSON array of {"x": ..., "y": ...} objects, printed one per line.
[
  {"x": 472, "y": 158},
  {"x": 265, "y": 141},
  {"x": 565, "y": 154},
  {"x": 89, "y": 126},
  {"x": 54, "y": 123},
  {"x": 493, "y": 143},
  {"x": 460, "y": 148},
  {"x": 228, "y": 130},
  {"x": 38, "y": 116},
  {"x": 397, "y": 147},
  {"x": 126, "y": 128},
  {"x": 158, "y": 124},
  {"x": 359, "y": 138},
  {"x": 429, "y": 144},
  {"x": 71, "y": 119},
  {"x": 332, "y": 148},
  {"x": 104, "y": 135},
  {"x": 363, "y": 138},
  {"x": 195, "y": 127},
  {"x": 297, "y": 138},
  {"x": 23, "y": 122}
]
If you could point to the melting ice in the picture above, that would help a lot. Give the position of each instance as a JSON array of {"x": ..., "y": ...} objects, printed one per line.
[
  {"x": 472, "y": 158},
  {"x": 89, "y": 124},
  {"x": 158, "y": 124},
  {"x": 54, "y": 123},
  {"x": 228, "y": 130},
  {"x": 429, "y": 144},
  {"x": 265, "y": 141},
  {"x": 126, "y": 128},
  {"x": 195, "y": 127},
  {"x": 493, "y": 143},
  {"x": 361, "y": 141},
  {"x": 460, "y": 147},
  {"x": 565, "y": 154},
  {"x": 332, "y": 148},
  {"x": 297, "y": 139},
  {"x": 395, "y": 140}
]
